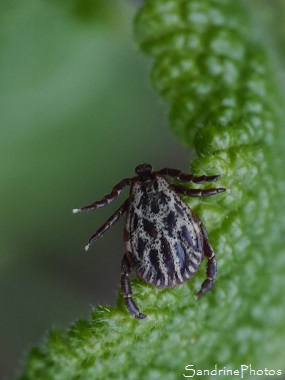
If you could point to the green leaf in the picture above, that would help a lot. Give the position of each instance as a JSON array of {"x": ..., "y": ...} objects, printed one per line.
[{"x": 218, "y": 84}]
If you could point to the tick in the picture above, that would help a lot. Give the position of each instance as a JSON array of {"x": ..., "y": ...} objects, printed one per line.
[{"x": 165, "y": 241}]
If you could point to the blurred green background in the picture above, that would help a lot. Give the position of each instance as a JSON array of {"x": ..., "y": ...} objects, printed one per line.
[{"x": 77, "y": 115}]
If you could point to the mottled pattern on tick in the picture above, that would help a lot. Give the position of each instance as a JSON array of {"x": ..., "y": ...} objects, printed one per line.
[{"x": 162, "y": 234}]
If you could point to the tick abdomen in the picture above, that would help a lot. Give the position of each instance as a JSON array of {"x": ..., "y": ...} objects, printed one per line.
[{"x": 163, "y": 236}]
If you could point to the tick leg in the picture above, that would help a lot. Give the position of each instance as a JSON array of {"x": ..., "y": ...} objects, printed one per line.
[
  {"x": 127, "y": 289},
  {"x": 211, "y": 265},
  {"x": 178, "y": 174},
  {"x": 116, "y": 191},
  {"x": 196, "y": 192},
  {"x": 113, "y": 219}
]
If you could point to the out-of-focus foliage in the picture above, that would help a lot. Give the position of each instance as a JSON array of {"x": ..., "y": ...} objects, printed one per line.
[{"x": 73, "y": 101}]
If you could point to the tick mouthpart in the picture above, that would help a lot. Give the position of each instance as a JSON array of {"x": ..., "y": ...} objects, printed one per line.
[{"x": 143, "y": 171}]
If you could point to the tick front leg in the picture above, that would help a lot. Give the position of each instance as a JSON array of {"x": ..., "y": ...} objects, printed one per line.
[
  {"x": 178, "y": 174},
  {"x": 116, "y": 191},
  {"x": 211, "y": 265},
  {"x": 197, "y": 192},
  {"x": 127, "y": 289},
  {"x": 113, "y": 219}
]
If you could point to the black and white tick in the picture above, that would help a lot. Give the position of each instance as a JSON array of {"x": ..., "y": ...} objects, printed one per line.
[{"x": 165, "y": 241}]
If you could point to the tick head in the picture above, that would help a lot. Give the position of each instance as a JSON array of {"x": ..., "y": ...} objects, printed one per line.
[{"x": 143, "y": 171}]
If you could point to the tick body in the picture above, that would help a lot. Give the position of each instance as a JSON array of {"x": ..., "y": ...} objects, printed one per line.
[{"x": 165, "y": 241}]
